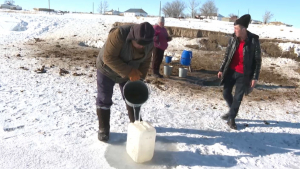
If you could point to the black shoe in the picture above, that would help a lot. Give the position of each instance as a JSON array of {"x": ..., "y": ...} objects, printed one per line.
[
  {"x": 225, "y": 116},
  {"x": 131, "y": 116},
  {"x": 231, "y": 123},
  {"x": 104, "y": 127}
]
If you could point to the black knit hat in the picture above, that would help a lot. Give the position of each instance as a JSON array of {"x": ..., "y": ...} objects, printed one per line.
[
  {"x": 243, "y": 21},
  {"x": 142, "y": 33}
]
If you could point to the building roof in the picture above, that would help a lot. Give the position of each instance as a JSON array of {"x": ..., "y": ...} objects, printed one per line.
[
  {"x": 136, "y": 11},
  {"x": 112, "y": 11}
]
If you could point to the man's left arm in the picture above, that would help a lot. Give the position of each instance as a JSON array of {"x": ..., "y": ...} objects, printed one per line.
[{"x": 257, "y": 63}]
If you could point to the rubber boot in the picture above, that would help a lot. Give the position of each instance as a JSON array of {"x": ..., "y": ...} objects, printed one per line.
[
  {"x": 131, "y": 113},
  {"x": 156, "y": 74},
  {"x": 104, "y": 118}
]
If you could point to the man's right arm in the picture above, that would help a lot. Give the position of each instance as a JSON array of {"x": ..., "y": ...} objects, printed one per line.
[
  {"x": 225, "y": 56},
  {"x": 112, "y": 51}
]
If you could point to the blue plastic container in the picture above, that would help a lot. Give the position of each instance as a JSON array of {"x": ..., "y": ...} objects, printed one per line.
[
  {"x": 186, "y": 57},
  {"x": 168, "y": 59}
]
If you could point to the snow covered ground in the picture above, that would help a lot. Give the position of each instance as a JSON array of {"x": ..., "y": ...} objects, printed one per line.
[{"x": 49, "y": 121}]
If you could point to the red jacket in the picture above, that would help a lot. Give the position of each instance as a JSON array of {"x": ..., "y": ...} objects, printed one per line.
[{"x": 161, "y": 37}]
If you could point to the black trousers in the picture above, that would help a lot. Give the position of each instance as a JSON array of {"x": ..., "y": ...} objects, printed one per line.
[
  {"x": 158, "y": 55},
  {"x": 234, "y": 79},
  {"x": 105, "y": 88}
]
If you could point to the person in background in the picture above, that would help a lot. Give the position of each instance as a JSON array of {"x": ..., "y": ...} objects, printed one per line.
[
  {"x": 161, "y": 40},
  {"x": 126, "y": 55},
  {"x": 240, "y": 67}
]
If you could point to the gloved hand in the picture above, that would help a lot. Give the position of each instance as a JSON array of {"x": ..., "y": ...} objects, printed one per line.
[
  {"x": 169, "y": 38},
  {"x": 134, "y": 75}
]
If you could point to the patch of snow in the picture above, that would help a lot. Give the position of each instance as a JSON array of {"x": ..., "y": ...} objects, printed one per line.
[
  {"x": 12, "y": 24},
  {"x": 288, "y": 46}
]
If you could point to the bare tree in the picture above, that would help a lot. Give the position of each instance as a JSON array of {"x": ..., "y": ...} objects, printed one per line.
[
  {"x": 105, "y": 6},
  {"x": 174, "y": 9},
  {"x": 9, "y": 2},
  {"x": 178, "y": 8},
  {"x": 167, "y": 9},
  {"x": 100, "y": 8},
  {"x": 193, "y": 5},
  {"x": 267, "y": 17},
  {"x": 208, "y": 9}
]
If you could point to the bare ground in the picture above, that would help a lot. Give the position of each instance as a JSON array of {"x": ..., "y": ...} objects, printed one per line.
[{"x": 68, "y": 54}]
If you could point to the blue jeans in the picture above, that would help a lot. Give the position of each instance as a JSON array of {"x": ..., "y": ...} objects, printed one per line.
[{"x": 234, "y": 79}]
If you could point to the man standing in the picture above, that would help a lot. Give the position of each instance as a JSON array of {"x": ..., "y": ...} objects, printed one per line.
[
  {"x": 161, "y": 40},
  {"x": 240, "y": 67},
  {"x": 126, "y": 55}
]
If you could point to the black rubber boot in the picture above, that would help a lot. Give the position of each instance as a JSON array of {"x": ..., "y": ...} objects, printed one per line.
[
  {"x": 131, "y": 113},
  {"x": 231, "y": 123},
  {"x": 103, "y": 118},
  {"x": 157, "y": 74},
  {"x": 225, "y": 116}
]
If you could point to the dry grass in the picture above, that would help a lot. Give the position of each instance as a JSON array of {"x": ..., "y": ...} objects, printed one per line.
[
  {"x": 209, "y": 45},
  {"x": 277, "y": 41},
  {"x": 221, "y": 40},
  {"x": 193, "y": 46},
  {"x": 207, "y": 61},
  {"x": 213, "y": 42},
  {"x": 290, "y": 54},
  {"x": 271, "y": 49},
  {"x": 269, "y": 76}
]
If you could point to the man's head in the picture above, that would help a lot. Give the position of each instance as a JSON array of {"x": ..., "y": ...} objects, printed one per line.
[
  {"x": 136, "y": 45},
  {"x": 161, "y": 21},
  {"x": 241, "y": 25},
  {"x": 141, "y": 34},
  {"x": 240, "y": 31}
]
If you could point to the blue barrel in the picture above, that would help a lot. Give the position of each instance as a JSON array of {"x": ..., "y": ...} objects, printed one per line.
[
  {"x": 186, "y": 57},
  {"x": 168, "y": 59}
]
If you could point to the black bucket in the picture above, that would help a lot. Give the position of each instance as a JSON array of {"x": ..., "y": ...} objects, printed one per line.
[{"x": 136, "y": 93}]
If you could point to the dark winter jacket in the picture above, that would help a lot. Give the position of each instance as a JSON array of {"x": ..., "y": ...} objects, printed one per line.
[
  {"x": 252, "y": 59},
  {"x": 118, "y": 57}
]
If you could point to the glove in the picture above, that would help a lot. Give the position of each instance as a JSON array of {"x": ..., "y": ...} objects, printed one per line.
[
  {"x": 169, "y": 38},
  {"x": 134, "y": 75}
]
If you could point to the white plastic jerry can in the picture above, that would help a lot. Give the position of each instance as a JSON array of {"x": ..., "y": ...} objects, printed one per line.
[{"x": 140, "y": 141}]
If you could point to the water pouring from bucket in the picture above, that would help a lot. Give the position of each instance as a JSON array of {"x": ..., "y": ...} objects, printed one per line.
[{"x": 140, "y": 135}]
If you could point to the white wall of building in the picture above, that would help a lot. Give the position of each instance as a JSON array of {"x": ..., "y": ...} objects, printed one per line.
[{"x": 132, "y": 14}]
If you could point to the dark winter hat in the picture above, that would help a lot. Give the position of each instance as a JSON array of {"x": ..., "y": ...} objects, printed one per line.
[
  {"x": 243, "y": 21},
  {"x": 142, "y": 33}
]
